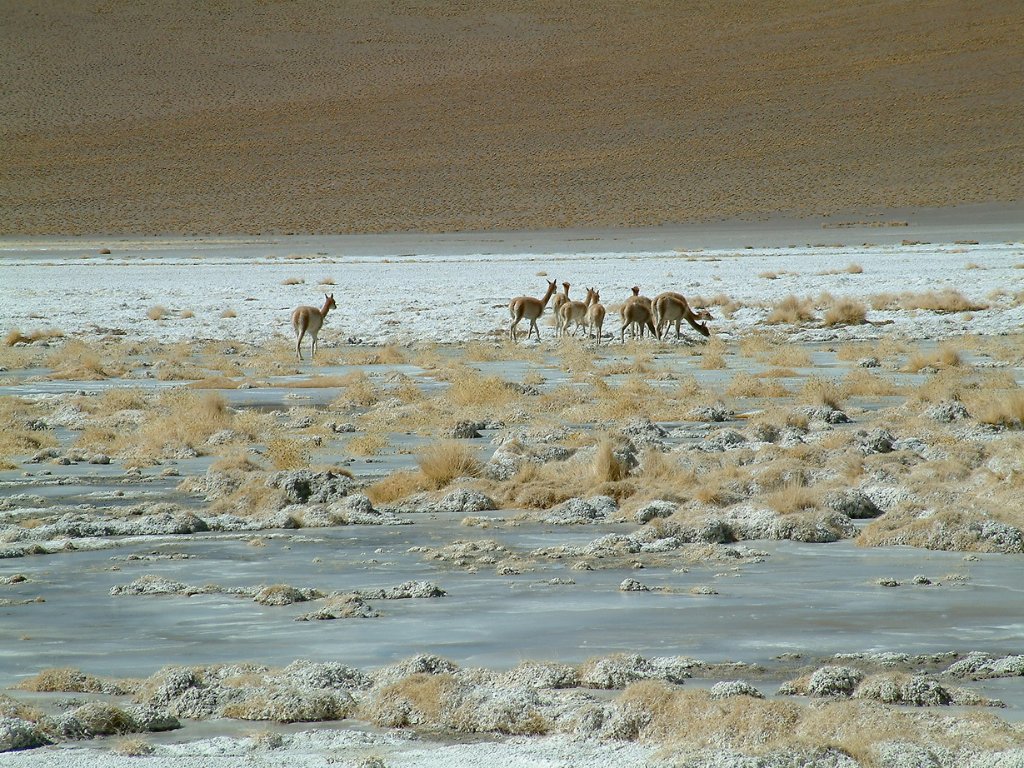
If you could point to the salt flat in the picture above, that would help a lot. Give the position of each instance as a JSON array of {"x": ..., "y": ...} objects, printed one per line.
[{"x": 433, "y": 296}]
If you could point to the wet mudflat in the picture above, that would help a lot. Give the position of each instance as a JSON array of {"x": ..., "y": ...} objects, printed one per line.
[{"x": 808, "y": 599}]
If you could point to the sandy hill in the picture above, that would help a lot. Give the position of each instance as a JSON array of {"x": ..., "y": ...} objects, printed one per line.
[{"x": 298, "y": 115}]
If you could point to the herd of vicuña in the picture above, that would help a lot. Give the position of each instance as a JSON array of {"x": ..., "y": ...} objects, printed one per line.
[{"x": 639, "y": 313}]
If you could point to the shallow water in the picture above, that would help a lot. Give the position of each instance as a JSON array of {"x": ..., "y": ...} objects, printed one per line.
[{"x": 811, "y": 599}]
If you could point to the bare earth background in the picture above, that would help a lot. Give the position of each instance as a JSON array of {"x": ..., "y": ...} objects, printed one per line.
[{"x": 273, "y": 117}]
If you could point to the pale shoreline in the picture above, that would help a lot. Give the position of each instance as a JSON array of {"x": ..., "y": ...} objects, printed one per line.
[{"x": 984, "y": 222}]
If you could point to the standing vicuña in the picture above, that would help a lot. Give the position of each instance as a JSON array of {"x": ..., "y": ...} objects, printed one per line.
[
  {"x": 672, "y": 307},
  {"x": 573, "y": 312},
  {"x": 560, "y": 299},
  {"x": 636, "y": 312},
  {"x": 595, "y": 314},
  {"x": 531, "y": 309},
  {"x": 309, "y": 320}
]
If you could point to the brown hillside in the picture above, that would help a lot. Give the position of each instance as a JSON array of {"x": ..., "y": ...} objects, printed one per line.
[{"x": 293, "y": 115}]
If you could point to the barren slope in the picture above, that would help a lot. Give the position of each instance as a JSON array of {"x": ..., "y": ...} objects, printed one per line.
[{"x": 303, "y": 116}]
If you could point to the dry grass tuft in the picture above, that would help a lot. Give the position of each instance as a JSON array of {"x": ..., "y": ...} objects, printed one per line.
[
  {"x": 183, "y": 421},
  {"x": 157, "y": 312},
  {"x": 607, "y": 468},
  {"x": 443, "y": 462},
  {"x": 692, "y": 718},
  {"x": 792, "y": 310},
  {"x": 15, "y": 336},
  {"x": 292, "y": 281},
  {"x": 758, "y": 344},
  {"x": 634, "y": 397},
  {"x": 66, "y": 680},
  {"x": 16, "y": 435},
  {"x": 359, "y": 392},
  {"x": 794, "y": 496},
  {"x": 863, "y": 383},
  {"x": 945, "y": 301},
  {"x": 235, "y": 460},
  {"x": 119, "y": 399},
  {"x": 386, "y": 355},
  {"x": 288, "y": 453},
  {"x": 366, "y": 445},
  {"x": 846, "y": 311},
  {"x": 747, "y": 385},
  {"x": 943, "y": 357},
  {"x": 468, "y": 388},
  {"x": 396, "y": 486},
  {"x": 712, "y": 355},
  {"x": 819, "y": 391},
  {"x": 788, "y": 356},
  {"x": 79, "y": 361},
  {"x": 415, "y": 700},
  {"x": 725, "y": 303},
  {"x": 133, "y": 746},
  {"x": 228, "y": 313},
  {"x": 1002, "y": 408}
]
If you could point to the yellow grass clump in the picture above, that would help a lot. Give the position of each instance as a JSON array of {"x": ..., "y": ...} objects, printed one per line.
[
  {"x": 157, "y": 312},
  {"x": 746, "y": 385},
  {"x": 788, "y": 356},
  {"x": 235, "y": 460},
  {"x": 386, "y": 355},
  {"x": 863, "y": 383},
  {"x": 78, "y": 361},
  {"x": 16, "y": 436},
  {"x": 415, "y": 700},
  {"x": 133, "y": 746},
  {"x": 694, "y": 718},
  {"x": 846, "y": 311},
  {"x": 607, "y": 468},
  {"x": 396, "y": 486},
  {"x": 685, "y": 720},
  {"x": 791, "y": 310},
  {"x": 183, "y": 419},
  {"x": 288, "y": 453},
  {"x": 67, "y": 680},
  {"x": 794, "y": 496},
  {"x": 359, "y": 392},
  {"x": 943, "y": 357},
  {"x": 366, "y": 445},
  {"x": 15, "y": 336},
  {"x": 634, "y": 397},
  {"x": 945, "y": 301},
  {"x": 1002, "y": 408},
  {"x": 119, "y": 399},
  {"x": 441, "y": 463},
  {"x": 712, "y": 355},
  {"x": 820, "y": 391},
  {"x": 469, "y": 388}
]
